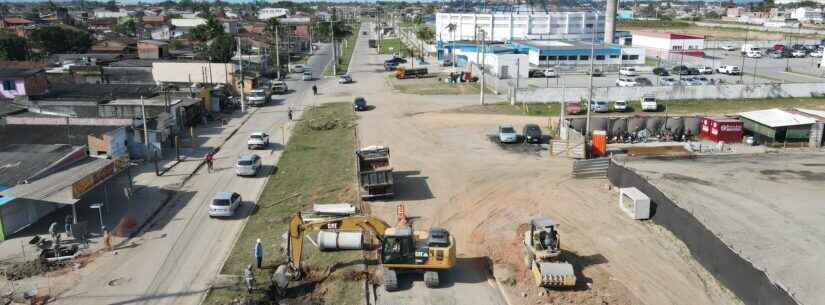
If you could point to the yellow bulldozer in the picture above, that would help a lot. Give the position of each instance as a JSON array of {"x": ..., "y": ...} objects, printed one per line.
[
  {"x": 543, "y": 256},
  {"x": 401, "y": 249}
]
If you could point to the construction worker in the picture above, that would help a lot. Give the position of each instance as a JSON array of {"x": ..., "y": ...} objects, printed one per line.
[
  {"x": 249, "y": 278},
  {"x": 68, "y": 225},
  {"x": 289, "y": 114},
  {"x": 314, "y": 90},
  {"x": 209, "y": 158},
  {"x": 53, "y": 230},
  {"x": 259, "y": 253}
]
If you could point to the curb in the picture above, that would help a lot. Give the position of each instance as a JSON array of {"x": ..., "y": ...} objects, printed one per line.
[{"x": 503, "y": 293}]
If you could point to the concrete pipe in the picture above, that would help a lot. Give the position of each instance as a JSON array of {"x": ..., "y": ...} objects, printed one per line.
[
  {"x": 340, "y": 240},
  {"x": 598, "y": 123}
]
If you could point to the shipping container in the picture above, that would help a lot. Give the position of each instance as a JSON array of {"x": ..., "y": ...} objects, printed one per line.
[{"x": 721, "y": 129}]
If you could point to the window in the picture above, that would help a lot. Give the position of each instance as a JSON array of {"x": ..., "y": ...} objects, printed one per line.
[
  {"x": 542, "y": 57},
  {"x": 677, "y": 47},
  {"x": 584, "y": 57},
  {"x": 599, "y": 57},
  {"x": 633, "y": 57},
  {"x": 614, "y": 56},
  {"x": 562, "y": 57},
  {"x": 9, "y": 85},
  {"x": 552, "y": 58},
  {"x": 624, "y": 57}
]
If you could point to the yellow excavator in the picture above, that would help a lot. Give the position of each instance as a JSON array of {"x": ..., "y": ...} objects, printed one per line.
[{"x": 401, "y": 249}]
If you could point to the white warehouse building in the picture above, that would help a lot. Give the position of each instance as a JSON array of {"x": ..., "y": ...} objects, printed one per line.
[
  {"x": 662, "y": 44},
  {"x": 272, "y": 12},
  {"x": 520, "y": 26}
]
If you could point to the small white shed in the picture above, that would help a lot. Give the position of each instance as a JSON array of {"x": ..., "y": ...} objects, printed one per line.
[{"x": 634, "y": 203}]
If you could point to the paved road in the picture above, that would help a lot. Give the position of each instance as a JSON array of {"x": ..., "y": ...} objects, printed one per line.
[{"x": 178, "y": 256}]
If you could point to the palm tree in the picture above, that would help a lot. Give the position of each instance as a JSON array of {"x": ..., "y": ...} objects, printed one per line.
[{"x": 272, "y": 27}]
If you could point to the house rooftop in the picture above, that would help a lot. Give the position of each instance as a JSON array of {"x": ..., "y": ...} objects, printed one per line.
[
  {"x": 10, "y": 73},
  {"x": 19, "y": 162},
  {"x": 100, "y": 92}
]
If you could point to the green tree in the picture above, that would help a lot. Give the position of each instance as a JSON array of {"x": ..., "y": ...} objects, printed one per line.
[
  {"x": 127, "y": 27},
  {"x": 219, "y": 49},
  {"x": 340, "y": 30},
  {"x": 208, "y": 31},
  {"x": 13, "y": 47},
  {"x": 712, "y": 15},
  {"x": 185, "y": 4},
  {"x": 425, "y": 34},
  {"x": 53, "y": 39}
]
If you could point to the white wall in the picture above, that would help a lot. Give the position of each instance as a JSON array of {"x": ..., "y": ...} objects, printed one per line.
[
  {"x": 496, "y": 62},
  {"x": 514, "y": 26},
  {"x": 654, "y": 42},
  {"x": 718, "y": 92}
]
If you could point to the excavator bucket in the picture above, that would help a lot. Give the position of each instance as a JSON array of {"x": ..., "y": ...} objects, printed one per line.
[{"x": 554, "y": 274}]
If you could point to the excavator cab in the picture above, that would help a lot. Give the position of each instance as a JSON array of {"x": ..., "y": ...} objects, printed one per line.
[{"x": 398, "y": 246}]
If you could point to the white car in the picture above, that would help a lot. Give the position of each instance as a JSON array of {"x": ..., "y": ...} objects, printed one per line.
[
  {"x": 248, "y": 165},
  {"x": 754, "y": 54},
  {"x": 307, "y": 75},
  {"x": 649, "y": 103},
  {"x": 729, "y": 69},
  {"x": 507, "y": 133},
  {"x": 705, "y": 70},
  {"x": 344, "y": 79},
  {"x": 257, "y": 97},
  {"x": 257, "y": 140},
  {"x": 799, "y": 53},
  {"x": 626, "y": 82},
  {"x": 728, "y": 47},
  {"x": 628, "y": 71},
  {"x": 296, "y": 68},
  {"x": 224, "y": 204},
  {"x": 550, "y": 72},
  {"x": 817, "y": 53},
  {"x": 620, "y": 106}
]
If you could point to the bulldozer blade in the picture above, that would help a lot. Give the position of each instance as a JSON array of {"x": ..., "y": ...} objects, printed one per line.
[{"x": 555, "y": 274}]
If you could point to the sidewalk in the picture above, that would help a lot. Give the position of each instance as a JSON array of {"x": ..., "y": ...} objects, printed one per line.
[{"x": 150, "y": 193}]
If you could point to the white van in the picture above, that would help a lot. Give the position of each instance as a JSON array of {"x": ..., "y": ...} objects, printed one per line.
[
  {"x": 754, "y": 53},
  {"x": 628, "y": 71},
  {"x": 649, "y": 103}
]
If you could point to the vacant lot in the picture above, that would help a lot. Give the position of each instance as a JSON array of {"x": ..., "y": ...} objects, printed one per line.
[
  {"x": 676, "y": 107},
  {"x": 394, "y": 45},
  {"x": 316, "y": 167}
]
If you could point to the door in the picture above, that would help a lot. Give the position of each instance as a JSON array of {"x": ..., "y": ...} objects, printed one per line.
[{"x": 504, "y": 72}]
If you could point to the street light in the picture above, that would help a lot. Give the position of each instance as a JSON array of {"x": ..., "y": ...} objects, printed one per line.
[{"x": 99, "y": 207}]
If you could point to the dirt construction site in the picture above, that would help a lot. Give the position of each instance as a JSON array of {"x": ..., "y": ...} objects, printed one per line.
[{"x": 449, "y": 173}]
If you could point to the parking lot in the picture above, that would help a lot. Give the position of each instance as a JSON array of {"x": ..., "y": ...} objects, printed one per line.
[{"x": 756, "y": 70}]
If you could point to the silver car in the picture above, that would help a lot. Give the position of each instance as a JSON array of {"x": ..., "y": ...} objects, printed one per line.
[
  {"x": 599, "y": 106},
  {"x": 248, "y": 165},
  {"x": 224, "y": 204},
  {"x": 507, "y": 134}
]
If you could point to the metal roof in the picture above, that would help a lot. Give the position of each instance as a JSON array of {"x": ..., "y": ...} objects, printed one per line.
[
  {"x": 777, "y": 118},
  {"x": 18, "y": 162}
]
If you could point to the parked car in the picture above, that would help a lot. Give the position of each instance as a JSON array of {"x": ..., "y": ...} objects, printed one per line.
[
  {"x": 681, "y": 70},
  {"x": 550, "y": 72},
  {"x": 396, "y": 60},
  {"x": 297, "y": 68},
  {"x": 307, "y": 75},
  {"x": 775, "y": 54},
  {"x": 816, "y": 53},
  {"x": 599, "y": 106},
  {"x": 224, "y": 204},
  {"x": 248, "y": 165},
  {"x": 727, "y": 47},
  {"x": 779, "y": 47},
  {"x": 345, "y": 79},
  {"x": 257, "y": 97},
  {"x": 573, "y": 108},
  {"x": 626, "y": 82},
  {"x": 257, "y": 140},
  {"x": 620, "y": 106},
  {"x": 660, "y": 71},
  {"x": 690, "y": 81},
  {"x": 705, "y": 70},
  {"x": 359, "y": 104},
  {"x": 507, "y": 134},
  {"x": 446, "y": 62},
  {"x": 279, "y": 87},
  {"x": 729, "y": 69},
  {"x": 596, "y": 72},
  {"x": 649, "y": 103},
  {"x": 701, "y": 80},
  {"x": 669, "y": 81},
  {"x": 628, "y": 71},
  {"x": 754, "y": 54},
  {"x": 799, "y": 53},
  {"x": 643, "y": 81},
  {"x": 532, "y": 133},
  {"x": 390, "y": 66}
]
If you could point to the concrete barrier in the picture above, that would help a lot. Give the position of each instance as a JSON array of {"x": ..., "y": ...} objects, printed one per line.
[{"x": 721, "y": 92}]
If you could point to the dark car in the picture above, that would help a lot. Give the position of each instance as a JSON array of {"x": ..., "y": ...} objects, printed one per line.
[
  {"x": 660, "y": 71},
  {"x": 681, "y": 70},
  {"x": 643, "y": 81},
  {"x": 532, "y": 133},
  {"x": 359, "y": 104},
  {"x": 596, "y": 72},
  {"x": 396, "y": 60},
  {"x": 693, "y": 71}
]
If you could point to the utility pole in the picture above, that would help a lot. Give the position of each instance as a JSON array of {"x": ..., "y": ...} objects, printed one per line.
[
  {"x": 515, "y": 91},
  {"x": 240, "y": 64},
  {"x": 742, "y": 73},
  {"x": 590, "y": 87},
  {"x": 145, "y": 127},
  {"x": 277, "y": 53},
  {"x": 334, "y": 51},
  {"x": 483, "y": 51}
]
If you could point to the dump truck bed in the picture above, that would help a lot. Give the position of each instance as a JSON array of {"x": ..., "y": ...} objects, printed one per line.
[{"x": 375, "y": 176}]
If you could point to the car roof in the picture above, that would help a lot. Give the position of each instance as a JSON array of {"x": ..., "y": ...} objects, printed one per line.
[
  {"x": 256, "y": 134},
  {"x": 223, "y": 195},
  {"x": 505, "y": 125},
  {"x": 257, "y": 90},
  {"x": 247, "y": 157}
]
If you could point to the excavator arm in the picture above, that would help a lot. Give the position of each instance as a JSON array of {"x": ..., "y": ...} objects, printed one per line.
[{"x": 297, "y": 228}]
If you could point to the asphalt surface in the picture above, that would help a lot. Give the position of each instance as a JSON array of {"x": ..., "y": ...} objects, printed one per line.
[{"x": 181, "y": 252}]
